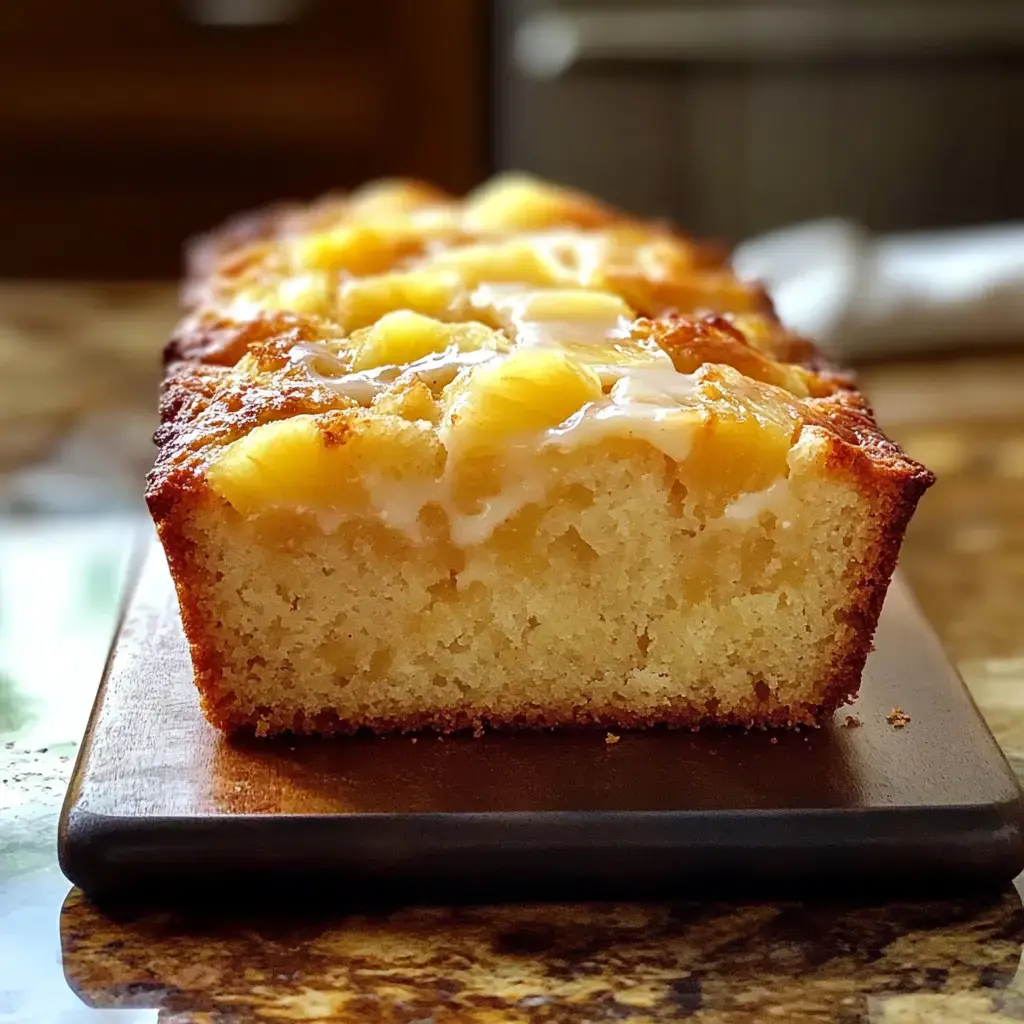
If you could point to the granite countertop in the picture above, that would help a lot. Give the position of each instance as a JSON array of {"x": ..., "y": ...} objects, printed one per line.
[{"x": 63, "y": 959}]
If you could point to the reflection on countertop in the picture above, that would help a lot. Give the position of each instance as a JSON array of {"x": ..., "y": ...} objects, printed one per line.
[
  {"x": 787, "y": 961},
  {"x": 60, "y": 579},
  {"x": 60, "y": 589}
]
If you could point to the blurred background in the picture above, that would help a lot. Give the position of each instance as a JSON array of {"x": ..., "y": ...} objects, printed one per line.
[{"x": 864, "y": 157}]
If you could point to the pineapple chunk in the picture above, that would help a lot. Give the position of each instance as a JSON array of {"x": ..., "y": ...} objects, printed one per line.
[
  {"x": 547, "y": 316},
  {"x": 517, "y": 262},
  {"x": 760, "y": 331},
  {"x": 399, "y": 338},
  {"x": 391, "y": 197},
  {"x": 304, "y": 293},
  {"x": 531, "y": 390},
  {"x": 403, "y": 337},
  {"x": 319, "y": 462},
  {"x": 744, "y": 444},
  {"x": 366, "y": 300},
  {"x": 287, "y": 462},
  {"x": 521, "y": 202},
  {"x": 593, "y": 327},
  {"x": 354, "y": 249},
  {"x": 576, "y": 306}
]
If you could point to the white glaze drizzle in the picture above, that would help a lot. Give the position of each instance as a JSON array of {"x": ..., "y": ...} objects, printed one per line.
[
  {"x": 656, "y": 385},
  {"x": 585, "y": 337},
  {"x": 400, "y": 503},
  {"x": 511, "y": 305},
  {"x": 775, "y": 498},
  {"x": 600, "y": 422},
  {"x": 650, "y": 401},
  {"x": 469, "y": 529},
  {"x": 646, "y": 403},
  {"x": 436, "y": 370}
]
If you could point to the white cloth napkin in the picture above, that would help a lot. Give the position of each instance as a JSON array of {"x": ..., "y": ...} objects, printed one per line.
[{"x": 858, "y": 295}]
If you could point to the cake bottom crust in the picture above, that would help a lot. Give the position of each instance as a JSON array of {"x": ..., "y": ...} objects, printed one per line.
[{"x": 679, "y": 715}]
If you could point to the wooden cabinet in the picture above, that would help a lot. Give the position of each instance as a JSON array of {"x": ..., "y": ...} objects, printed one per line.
[{"x": 126, "y": 125}]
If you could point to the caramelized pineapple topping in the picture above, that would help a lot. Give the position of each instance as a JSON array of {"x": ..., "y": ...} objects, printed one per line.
[
  {"x": 529, "y": 391},
  {"x": 526, "y": 318}
]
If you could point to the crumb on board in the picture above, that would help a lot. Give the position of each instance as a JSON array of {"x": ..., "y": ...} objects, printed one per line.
[
  {"x": 898, "y": 718},
  {"x": 611, "y": 737},
  {"x": 414, "y": 739},
  {"x": 774, "y": 739},
  {"x": 852, "y": 722},
  {"x": 478, "y": 730}
]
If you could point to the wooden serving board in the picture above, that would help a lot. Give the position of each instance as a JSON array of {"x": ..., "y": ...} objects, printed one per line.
[{"x": 160, "y": 799}]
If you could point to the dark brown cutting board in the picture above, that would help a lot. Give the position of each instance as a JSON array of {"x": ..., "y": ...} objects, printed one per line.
[{"x": 159, "y": 798}]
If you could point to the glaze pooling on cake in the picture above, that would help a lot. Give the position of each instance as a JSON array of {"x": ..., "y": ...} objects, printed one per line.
[
  {"x": 644, "y": 402},
  {"x": 437, "y": 370},
  {"x": 645, "y": 393},
  {"x": 518, "y": 459}
]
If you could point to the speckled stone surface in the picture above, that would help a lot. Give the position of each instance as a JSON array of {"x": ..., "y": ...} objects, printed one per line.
[
  {"x": 63, "y": 959},
  {"x": 714, "y": 962}
]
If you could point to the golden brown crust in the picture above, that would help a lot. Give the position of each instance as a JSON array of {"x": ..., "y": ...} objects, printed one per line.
[
  {"x": 218, "y": 340},
  {"x": 780, "y": 357},
  {"x": 227, "y": 376},
  {"x": 212, "y": 403},
  {"x": 683, "y": 715},
  {"x": 896, "y": 484},
  {"x": 250, "y": 251},
  {"x": 204, "y": 252},
  {"x": 203, "y": 408},
  {"x": 242, "y": 231}
]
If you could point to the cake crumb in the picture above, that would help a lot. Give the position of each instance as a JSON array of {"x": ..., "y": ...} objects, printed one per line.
[
  {"x": 774, "y": 740},
  {"x": 852, "y": 722},
  {"x": 478, "y": 730},
  {"x": 415, "y": 739},
  {"x": 611, "y": 737},
  {"x": 898, "y": 718}
]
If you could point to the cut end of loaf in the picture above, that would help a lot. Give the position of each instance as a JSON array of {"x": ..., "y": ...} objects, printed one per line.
[{"x": 615, "y": 602}]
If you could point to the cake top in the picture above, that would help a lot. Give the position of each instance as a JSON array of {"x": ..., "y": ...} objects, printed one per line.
[
  {"x": 402, "y": 244},
  {"x": 459, "y": 340}
]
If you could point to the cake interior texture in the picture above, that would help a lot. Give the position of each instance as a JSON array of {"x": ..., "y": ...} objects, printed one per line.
[{"x": 513, "y": 492}]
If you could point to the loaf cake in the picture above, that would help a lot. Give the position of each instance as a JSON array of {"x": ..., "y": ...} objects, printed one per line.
[{"x": 512, "y": 460}]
